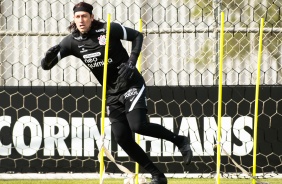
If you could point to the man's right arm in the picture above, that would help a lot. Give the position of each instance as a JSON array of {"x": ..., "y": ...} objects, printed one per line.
[
  {"x": 52, "y": 57},
  {"x": 56, "y": 53}
]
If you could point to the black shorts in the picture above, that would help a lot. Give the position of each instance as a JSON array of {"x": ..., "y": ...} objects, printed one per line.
[{"x": 133, "y": 98}]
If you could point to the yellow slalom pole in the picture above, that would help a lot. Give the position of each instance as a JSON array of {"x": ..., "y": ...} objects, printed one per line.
[
  {"x": 137, "y": 136},
  {"x": 256, "y": 102},
  {"x": 140, "y": 55},
  {"x": 103, "y": 111},
  {"x": 220, "y": 99}
]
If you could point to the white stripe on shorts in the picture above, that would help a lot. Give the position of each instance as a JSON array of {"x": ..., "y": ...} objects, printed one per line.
[{"x": 136, "y": 98}]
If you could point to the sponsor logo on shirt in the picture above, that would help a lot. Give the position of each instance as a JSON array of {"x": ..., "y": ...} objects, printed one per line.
[
  {"x": 93, "y": 62},
  {"x": 95, "y": 54}
]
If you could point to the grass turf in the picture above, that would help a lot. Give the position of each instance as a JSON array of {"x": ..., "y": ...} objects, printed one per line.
[{"x": 120, "y": 181}]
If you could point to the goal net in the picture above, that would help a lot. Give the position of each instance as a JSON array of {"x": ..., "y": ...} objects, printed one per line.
[{"x": 50, "y": 120}]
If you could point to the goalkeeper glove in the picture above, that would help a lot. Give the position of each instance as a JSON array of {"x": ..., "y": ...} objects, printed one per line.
[{"x": 126, "y": 70}]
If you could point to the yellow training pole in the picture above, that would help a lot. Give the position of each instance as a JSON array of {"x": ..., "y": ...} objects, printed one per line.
[
  {"x": 256, "y": 102},
  {"x": 139, "y": 58},
  {"x": 137, "y": 136},
  {"x": 220, "y": 98},
  {"x": 104, "y": 96}
]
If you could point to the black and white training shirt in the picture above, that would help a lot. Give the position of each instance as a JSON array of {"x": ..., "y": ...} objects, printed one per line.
[{"x": 90, "y": 49}]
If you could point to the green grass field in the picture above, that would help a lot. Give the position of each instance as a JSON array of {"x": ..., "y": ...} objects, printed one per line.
[{"x": 120, "y": 181}]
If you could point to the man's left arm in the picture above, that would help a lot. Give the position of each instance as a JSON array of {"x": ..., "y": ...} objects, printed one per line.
[{"x": 125, "y": 33}]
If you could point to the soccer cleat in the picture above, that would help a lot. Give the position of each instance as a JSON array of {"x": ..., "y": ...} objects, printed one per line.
[
  {"x": 186, "y": 151},
  {"x": 158, "y": 179}
]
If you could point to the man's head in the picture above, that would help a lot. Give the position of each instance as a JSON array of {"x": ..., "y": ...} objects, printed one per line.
[{"x": 83, "y": 16}]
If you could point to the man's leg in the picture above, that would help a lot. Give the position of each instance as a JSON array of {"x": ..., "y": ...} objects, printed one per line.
[
  {"x": 123, "y": 136},
  {"x": 137, "y": 119}
]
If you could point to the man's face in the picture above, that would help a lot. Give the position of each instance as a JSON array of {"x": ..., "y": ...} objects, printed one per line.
[{"x": 83, "y": 21}]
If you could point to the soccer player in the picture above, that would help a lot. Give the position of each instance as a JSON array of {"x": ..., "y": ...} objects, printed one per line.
[{"x": 126, "y": 98}]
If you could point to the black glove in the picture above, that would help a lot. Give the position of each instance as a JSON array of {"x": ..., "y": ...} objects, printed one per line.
[
  {"x": 52, "y": 53},
  {"x": 126, "y": 70},
  {"x": 49, "y": 60}
]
